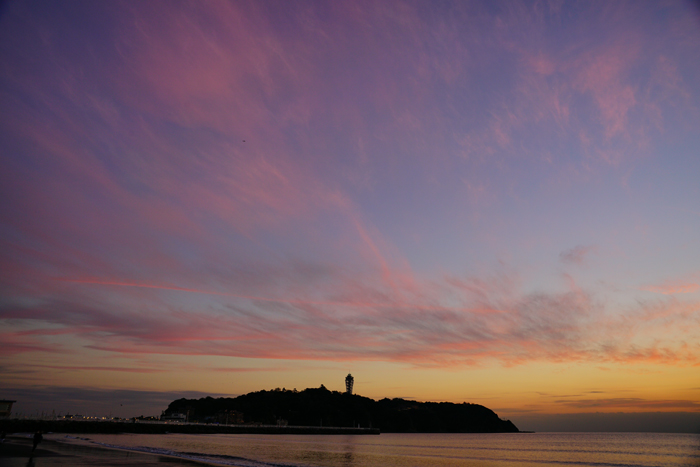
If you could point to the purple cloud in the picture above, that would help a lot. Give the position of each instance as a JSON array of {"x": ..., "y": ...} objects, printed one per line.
[{"x": 577, "y": 255}]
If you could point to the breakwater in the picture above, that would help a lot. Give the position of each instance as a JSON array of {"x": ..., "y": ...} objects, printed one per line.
[{"x": 109, "y": 427}]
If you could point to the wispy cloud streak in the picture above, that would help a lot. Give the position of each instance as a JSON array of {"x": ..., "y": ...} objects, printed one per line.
[{"x": 494, "y": 322}]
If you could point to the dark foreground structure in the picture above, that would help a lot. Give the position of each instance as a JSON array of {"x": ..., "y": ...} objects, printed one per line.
[{"x": 108, "y": 427}]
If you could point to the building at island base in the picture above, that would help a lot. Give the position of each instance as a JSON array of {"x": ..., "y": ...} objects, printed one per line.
[{"x": 173, "y": 417}]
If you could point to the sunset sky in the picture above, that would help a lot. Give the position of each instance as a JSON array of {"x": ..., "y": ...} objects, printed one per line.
[{"x": 491, "y": 202}]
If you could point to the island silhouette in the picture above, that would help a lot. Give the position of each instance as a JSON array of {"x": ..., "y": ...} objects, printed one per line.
[
  {"x": 284, "y": 411},
  {"x": 320, "y": 407}
]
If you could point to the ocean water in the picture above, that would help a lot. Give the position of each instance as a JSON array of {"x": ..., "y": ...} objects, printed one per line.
[{"x": 420, "y": 450}]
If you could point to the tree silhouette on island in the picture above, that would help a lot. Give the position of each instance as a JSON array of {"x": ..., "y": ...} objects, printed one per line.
[{"x": 321, "y": 407}]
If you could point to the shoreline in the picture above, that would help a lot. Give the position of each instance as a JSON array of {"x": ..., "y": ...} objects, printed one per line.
[
  {"x": 83, "y": 452},
  {"x": 16, "y": 452}
]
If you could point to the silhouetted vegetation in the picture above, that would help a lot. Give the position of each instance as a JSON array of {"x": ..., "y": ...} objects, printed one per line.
[{"x": 321, "y": 407}]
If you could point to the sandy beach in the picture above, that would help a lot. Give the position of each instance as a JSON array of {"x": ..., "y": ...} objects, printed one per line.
[{"x": 15, "y": 452}]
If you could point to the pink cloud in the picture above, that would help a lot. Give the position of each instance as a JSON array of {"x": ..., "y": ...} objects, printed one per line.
[
  {"x": 17, "y": 341},
  {"x": 99, "y": 368},
  {"x": 14, "y": 346},
  {"x": 604, "y": 74},
  {"x": 247, "y": 370},
  {"x": 674, "y": 286}
]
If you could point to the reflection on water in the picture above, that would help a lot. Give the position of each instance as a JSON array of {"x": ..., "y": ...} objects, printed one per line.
[
  {"x": 427, "y": 450},
  {"x": 348, "y": 456}
]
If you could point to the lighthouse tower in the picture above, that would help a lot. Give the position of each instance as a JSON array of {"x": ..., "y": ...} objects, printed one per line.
[{"x": 349, "y": 381}]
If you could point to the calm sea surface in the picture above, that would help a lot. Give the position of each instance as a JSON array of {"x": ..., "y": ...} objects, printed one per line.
[{"x": 423, "y": 450}]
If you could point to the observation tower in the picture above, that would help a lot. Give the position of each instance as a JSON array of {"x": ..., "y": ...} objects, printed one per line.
[{"x": 349, "y": 381}]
